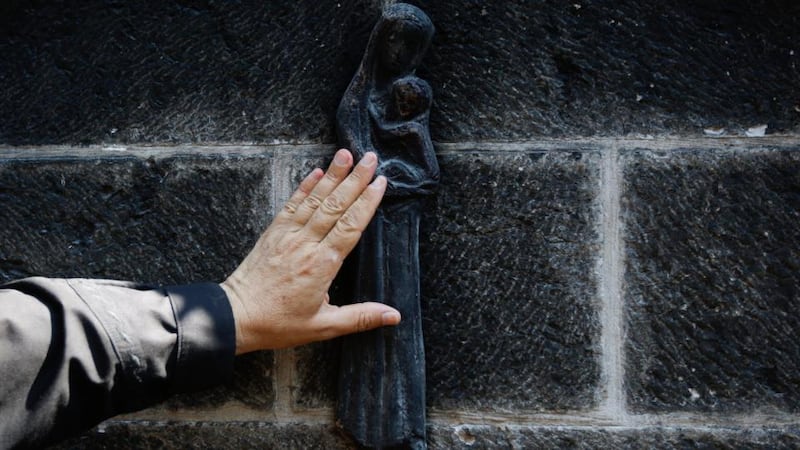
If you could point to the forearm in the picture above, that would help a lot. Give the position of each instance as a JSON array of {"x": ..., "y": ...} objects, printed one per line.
[{"x": 74, "y": 352}]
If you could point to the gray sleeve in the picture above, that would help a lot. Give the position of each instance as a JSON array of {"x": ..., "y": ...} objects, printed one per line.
[{"x": 74, "y": 352}]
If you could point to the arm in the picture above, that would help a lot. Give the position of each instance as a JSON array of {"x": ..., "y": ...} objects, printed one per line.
[
  {"x": 417, "y": 169},
  {"x": 74, "y": 352},
  {"x": 398, "y": 129}
]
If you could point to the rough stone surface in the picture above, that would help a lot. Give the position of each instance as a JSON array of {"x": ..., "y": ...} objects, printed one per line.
[
  {"x": 294, "y": 436},
  {"x": 209, "y": 435},
  {"x": 317, "y": 374},
  {"x": 517, "y": 69},
  {"x": 170, "y": 220},
  {"x": 177, "y": 71},
  {"x": 251, "y": 386},
  {"x": 520, "y": 437},
  {"x": 508, "y": 252},
  {"x": 712, "y": 279},
  {"x": 151, "y": 220},
  {"x": 208, "y": 71},
  {"x": 509, "y": 294}
]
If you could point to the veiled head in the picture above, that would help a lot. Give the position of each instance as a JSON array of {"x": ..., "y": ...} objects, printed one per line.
[{"x": 401, "y": 39}]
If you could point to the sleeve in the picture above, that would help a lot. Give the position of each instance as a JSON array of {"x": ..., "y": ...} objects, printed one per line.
[{"x": 74, "y": 352}]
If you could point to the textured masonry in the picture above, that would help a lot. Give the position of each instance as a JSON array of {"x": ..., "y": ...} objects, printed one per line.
[
  {"x": 609, "y": 263},
  {"x": 713, "y": 279}
]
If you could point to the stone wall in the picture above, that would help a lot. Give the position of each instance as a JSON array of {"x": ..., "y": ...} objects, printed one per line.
[{"x": 612, "y": 261}]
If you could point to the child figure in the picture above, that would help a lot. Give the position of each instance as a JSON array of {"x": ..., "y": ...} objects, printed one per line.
[
  {"x": 406, "y": 155},
  {"x": 411, "y": 97}
]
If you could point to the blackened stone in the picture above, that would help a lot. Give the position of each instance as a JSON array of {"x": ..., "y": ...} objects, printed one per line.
[
  {"x": 508, "y": 255},
  {"x": 508, "y": 252},
  {"x": 486, "y": 437},
  {"x": 317, "y": 374},
  {"x": 169, "y": 220},
  {"x": 165, "y": 221},
  {"x": 516, "y": 69},
  {"x": 251, "y": 386},
  {"x": 177, "y": 71},
  {"x": 209, "y": 435},
  {"x": 239, "y": 435},
  {"x": 712, "y": 279}
]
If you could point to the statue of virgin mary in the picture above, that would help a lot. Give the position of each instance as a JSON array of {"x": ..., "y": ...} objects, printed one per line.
[{"x": 386, "y": 109}]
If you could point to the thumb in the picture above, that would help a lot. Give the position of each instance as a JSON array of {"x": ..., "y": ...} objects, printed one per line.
[{"x": 358, "y": 317}]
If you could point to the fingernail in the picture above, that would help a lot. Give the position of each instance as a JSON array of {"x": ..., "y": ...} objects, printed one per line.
[
  {"x": 368, "y": 159},
  {"x": 379, "y": 182},
  {"x": 341, "y": 157},
  {"x": 390, "y": 318},
  {"x": 316, "y": 173}
]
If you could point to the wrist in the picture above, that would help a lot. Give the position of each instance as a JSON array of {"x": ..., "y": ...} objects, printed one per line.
[{"x": 230, "y": 287}]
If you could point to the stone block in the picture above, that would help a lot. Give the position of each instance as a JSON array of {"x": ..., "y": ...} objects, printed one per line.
[
  {"x": 217, "y": 435},
  {"x": 263, "y": 71},
  {"x": 251, "y": 387},
  {"x": 584, "y": 438},
  {"x": 712, "y": 279},
  {"x": 169, "y": 220},
  {"x": 517, "y": 69},
  {"x": 317, "y": 374},
  {"x": 508, "y": 254},
  {"x": 508, "y": 258},
  {"x": 161, "y": 220},
  {"x": 176, "y": 71},
  {"x": 245, "y": 435}
]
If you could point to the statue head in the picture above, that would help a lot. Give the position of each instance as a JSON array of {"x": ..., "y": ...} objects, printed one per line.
[
  {"x": 411, "y": 96},
  {"x": 401, "y": 38}
]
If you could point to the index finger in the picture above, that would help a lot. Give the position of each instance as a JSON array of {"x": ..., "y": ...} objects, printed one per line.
[
  {"x": 337, "y": 171},
  {"x": 347, "y": 231},
  {"x": 338, "y": 201},
  {"x": 303, "y": 191}
]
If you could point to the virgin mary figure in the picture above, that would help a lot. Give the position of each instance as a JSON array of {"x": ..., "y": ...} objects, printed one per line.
[{"x": 386, "y": 110}]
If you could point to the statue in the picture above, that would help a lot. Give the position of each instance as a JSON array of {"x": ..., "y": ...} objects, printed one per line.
[{"x": 386, "y": 109}]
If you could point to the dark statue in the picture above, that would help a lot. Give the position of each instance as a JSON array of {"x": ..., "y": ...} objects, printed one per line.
[{"x": 385, "y": 110}]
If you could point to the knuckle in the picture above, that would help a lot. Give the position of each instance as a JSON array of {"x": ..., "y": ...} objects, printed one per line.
[
  {"x": 332, "y": 176},
  {"x": 290, "y": 208},
  {"x": 364, "y": 322},
  {"x": 348, "y": 223},
  {"x": 325, "y": 257},
  {"x": 307, "y": 268},
  {"x": 333, "y": 205},
  {"x": 312, "y": 202}
]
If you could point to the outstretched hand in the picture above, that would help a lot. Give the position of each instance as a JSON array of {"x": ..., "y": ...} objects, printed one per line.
[{"x": 279, "y": 293}]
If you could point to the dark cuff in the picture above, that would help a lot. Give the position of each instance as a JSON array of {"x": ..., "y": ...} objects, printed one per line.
[{"x": 206, "y": 336}]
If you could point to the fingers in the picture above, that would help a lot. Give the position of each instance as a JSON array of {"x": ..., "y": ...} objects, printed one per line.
[
  {"x": 347, "y": 230},
  {"x": 337, "y": 171},
  {"x": 305, "y": 188},
  {"x": 338, "y": 201},
  {"x": 358, "y": 317}
]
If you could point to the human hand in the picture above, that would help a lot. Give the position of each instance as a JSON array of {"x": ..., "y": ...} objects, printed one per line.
[{"x": 279, "y": 293}]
